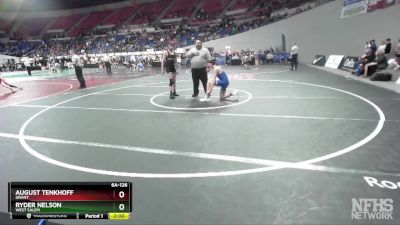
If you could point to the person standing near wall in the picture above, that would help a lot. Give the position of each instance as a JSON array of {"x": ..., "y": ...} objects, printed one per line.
[
  {"x": 294, "y": 51},
  {"x": 28, "y": 66},
  {"x": 200, "y": 56},
  {"x": 107, "y": 63},
  {"x": 78, "y": 65}
]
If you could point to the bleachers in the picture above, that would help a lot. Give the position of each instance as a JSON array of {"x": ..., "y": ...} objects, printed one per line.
[
  {"x": 244, "y": 4},
  {"x": 181, "y": 8},
  {"x": 210, "y": 10},
  {"x": 208, "y": 27},
  {"x": 94, "y": 19},
  {"x": 6, "y": 25},
  {"x": 121, "y": 15},
  {"x": 213, "y": 7},
  {"x": 66, "y": 22},
  {"x": 32, "y": 27},
  {"x": 150, "y": 12},
  {"x": 255, "y": 10}
]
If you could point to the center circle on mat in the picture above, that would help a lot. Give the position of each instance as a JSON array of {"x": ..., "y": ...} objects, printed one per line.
[
  {"x": 264, "y": 166},
  {"x": 206, "y": 104}
]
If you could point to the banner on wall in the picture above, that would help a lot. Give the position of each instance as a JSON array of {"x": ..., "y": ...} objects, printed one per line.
[
  {"x": 354, "y": 7},
  {"x": 319, "y": 60},
  {"x": 334, "y": 61},
  {"x": 349, "y": 63}
]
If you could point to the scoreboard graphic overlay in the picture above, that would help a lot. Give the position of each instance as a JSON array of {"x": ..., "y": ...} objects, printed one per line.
[{"x": 76, "y": 200}]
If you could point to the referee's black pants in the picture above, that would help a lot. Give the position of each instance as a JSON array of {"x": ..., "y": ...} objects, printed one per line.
[
  {"x": 197, "y": 76},
  {"x": 108, "y": 67},
  {"x": 79, "y": 76},
  {"x": 29, "y": 70},
  {"x": 294, "y": 62}
]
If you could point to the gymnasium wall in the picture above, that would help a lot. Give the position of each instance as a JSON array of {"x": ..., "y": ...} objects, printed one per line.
[{"x": 321, "y": 31}]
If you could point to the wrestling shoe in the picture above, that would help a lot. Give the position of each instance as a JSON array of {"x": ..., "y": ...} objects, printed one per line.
[
  {"x": 205, "y": 99},
  {"x": 235, "y": 95}
]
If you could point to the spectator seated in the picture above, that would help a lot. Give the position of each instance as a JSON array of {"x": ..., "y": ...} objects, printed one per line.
[{"x": 380, "y": 63}]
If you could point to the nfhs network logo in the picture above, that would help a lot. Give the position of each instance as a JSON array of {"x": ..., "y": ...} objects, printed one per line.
[{"x": 372, "y": 209}]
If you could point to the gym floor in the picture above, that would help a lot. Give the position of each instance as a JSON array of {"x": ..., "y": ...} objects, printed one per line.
[{"x": 297, "y": 148}]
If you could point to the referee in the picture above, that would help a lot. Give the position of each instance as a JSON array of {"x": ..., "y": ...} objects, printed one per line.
[
  {"x": 200, "y": 56},
  {"x": 78, "y": 64},
  {"x": 294, "y": 51},
  {"x": 107, "y": 63},
  {"x": 28, "y": 66}
]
